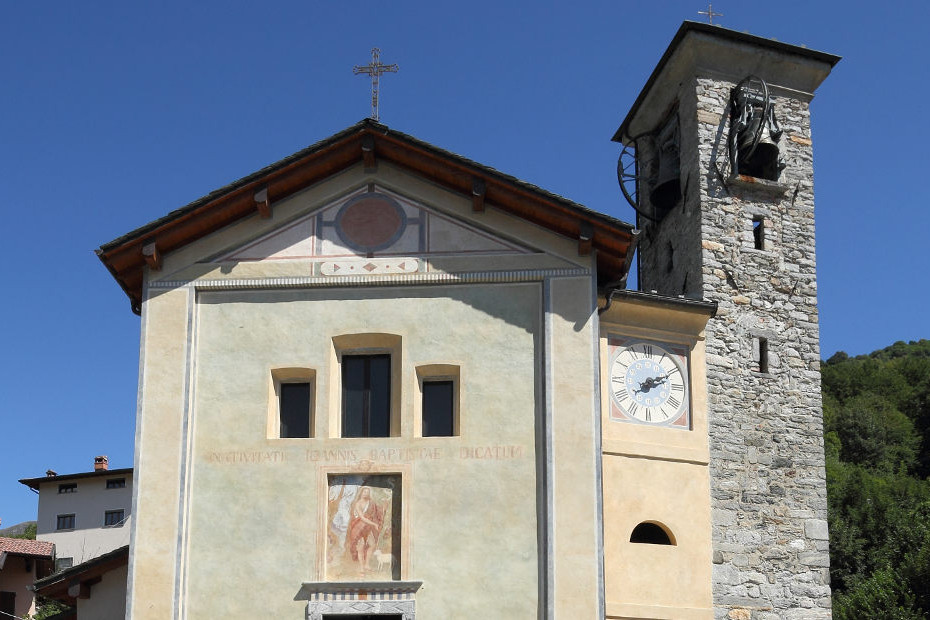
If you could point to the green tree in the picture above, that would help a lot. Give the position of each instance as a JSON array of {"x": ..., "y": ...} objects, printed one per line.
[
  {"x": 883, "y": 595},
  {"x": 877, "y": 446},
  {"x": 29, "y": 533}
]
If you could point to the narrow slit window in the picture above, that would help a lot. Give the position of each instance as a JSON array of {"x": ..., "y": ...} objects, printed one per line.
[
  {"x": 760, "y": 354},
  {"x": 650, "y": 534},
  {"x": 758, "y": 232},
  {"x": 438, "y": 408},
  {"x": 295, "y": 410}
]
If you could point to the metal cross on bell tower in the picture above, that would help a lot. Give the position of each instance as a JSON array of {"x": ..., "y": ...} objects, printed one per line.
[{"x": 374, "y": 69}]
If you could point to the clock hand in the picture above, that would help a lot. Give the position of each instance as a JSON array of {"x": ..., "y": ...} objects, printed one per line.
[{"x": 650, "y": 383}]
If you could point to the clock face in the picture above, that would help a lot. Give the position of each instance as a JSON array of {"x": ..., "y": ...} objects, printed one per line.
[{"x": 649, "y": 383}]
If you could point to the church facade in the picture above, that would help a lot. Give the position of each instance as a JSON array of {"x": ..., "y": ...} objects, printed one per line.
[{"x": 381, "y": 380}]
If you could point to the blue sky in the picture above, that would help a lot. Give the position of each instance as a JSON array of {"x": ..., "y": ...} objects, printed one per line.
[{"x": 114, "y": 113}]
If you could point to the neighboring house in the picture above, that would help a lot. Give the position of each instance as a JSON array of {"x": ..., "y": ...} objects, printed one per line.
[
  {"x": 21, "y": 563},
  {"x": 96, "y": 588},
  {"x": 380, "y": 378},
  {"x": 84, "y": 514}
]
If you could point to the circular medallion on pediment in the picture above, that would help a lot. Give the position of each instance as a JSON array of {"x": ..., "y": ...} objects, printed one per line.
[{"x": 370, "y": 222}]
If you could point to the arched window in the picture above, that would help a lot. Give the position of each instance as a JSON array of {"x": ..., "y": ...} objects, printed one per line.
[{"x": 651, "y": 533}]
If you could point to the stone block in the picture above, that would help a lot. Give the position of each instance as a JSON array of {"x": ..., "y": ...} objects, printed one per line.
[{"x": 816, "y": 529}]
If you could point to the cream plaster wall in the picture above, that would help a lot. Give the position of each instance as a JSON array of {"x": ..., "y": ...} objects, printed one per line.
[
  {"x": 15, "y": 578},
  {"x": 480, "y": 548},
  {"x": 107, "y": 598},
  {"x": 222, "y": 508},
  {"x": 159, "y": 451},
  {"x": 574, "y": 424},
  {"x": 659, "y": 475},
  {"x": 89, "y": 538}
]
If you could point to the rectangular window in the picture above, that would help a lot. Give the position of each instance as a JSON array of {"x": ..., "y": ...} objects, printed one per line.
[
  {"x": 112, "y": 517},
  {"x": 760, "y": 354},
  {"x": 758, "y": 232},
  {"x": 63, "y": 563},
  {"x": 366, "y": 395},
  {"x": 438, "y": 408},
  {"x": 116, "y": 483},
  {"x": 67, "y": 488},
  {"x": 65, "y": 522},
  {"x": 294, "y": 411}
]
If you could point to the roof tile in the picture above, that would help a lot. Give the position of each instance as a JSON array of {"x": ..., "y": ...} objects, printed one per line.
[{"x": 21, "y": 546}]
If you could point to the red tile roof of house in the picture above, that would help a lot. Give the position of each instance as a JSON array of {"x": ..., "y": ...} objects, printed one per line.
[{"x": 21, "y": 546}]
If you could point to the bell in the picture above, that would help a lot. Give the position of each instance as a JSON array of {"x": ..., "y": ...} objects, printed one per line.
[
  {"x": 759, "y": 159},
  {"x": 753, "y": 150}
]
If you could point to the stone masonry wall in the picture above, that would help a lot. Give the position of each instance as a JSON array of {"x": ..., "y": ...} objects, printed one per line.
[{"x": 768, "y": 483}]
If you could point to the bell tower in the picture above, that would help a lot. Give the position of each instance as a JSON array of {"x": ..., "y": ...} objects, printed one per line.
[{"x": 717, "y": 161}]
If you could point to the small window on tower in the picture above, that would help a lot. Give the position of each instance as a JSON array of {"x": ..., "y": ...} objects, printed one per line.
[
  {"x": 760, "y": 354},
  {"x": 758, "y": 232}
]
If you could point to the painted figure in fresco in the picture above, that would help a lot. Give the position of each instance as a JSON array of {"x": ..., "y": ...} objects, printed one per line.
[{"x": 365, "y": 523}]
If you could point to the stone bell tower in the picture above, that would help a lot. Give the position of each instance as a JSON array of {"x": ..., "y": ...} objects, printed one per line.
[{"x": 718, "y": 163}]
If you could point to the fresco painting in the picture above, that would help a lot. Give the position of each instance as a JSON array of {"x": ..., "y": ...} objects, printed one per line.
[{"x": 363, "y": 528}]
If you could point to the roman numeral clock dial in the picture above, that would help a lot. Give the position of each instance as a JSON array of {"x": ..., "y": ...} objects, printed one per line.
[{"x": 649, "y": 383}]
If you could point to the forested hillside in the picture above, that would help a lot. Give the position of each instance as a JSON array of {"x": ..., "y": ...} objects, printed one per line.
[{"x": 877, "y": 439}]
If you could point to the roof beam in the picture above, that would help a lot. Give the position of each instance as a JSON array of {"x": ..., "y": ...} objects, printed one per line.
[
  {"x": 585, "y": 238},
  {"x": 262, "y": 204},
  {"x": 152, "y": 256},
  {"x": 478, "y": 189},
  {"x": 368, "y": 153}
]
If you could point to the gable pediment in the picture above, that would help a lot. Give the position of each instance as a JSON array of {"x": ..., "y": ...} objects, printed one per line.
[
  {"x": 372, "y": 222},
  {"x": 129, "y": 257}
]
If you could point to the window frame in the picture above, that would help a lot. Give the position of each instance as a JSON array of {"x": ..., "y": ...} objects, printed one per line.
[
  {"x": 121, "y": 512},
  {"x": 368, "y": 373},
  {"x": 67, "y": 487},
  {"x": 116, "y": 483},
  {"x": 58, "y": 522},
  {"x": 427, "y": 373},
  {"x": 372, "y": 343},
  {"x": 284, "y": 375}
]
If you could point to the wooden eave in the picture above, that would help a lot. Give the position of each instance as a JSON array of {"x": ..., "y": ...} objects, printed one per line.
[
  {"x": 75, "y": 582},
  {"x": 612, "y": 239}
]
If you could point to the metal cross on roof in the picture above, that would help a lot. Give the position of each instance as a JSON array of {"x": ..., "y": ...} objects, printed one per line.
[
  {"x": 710, "y": 13},
  {"x": 374, "y": 69}
]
